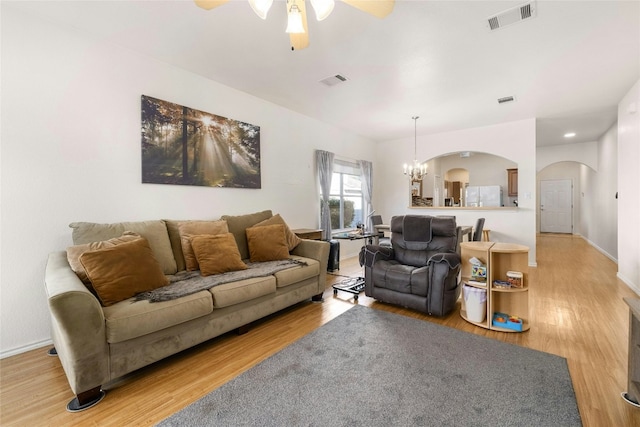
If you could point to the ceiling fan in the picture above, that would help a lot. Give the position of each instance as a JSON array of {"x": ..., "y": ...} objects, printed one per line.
[{"x": 297, "y": 13}]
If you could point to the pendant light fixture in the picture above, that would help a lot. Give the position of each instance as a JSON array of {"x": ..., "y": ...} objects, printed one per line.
[
  {"x": 294, "y": 19},
  {"x": 297, "y": 13},
  {"x": 323, "y": 8},
  {"x": 416, "y": 171},
  {"x": 261, "y": 7}
]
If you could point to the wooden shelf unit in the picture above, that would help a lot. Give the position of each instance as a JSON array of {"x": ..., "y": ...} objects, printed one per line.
[
  {"x": 479, "y": 250},
  {"x": 632, "y": 394},
  {"x": 499, "y": 258},
  {"x": 308, "y": 233}
]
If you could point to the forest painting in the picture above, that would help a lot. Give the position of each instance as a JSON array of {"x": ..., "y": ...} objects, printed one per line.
[{"x": 184, "y": 146}]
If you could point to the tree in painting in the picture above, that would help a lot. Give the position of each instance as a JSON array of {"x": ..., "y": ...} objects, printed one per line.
[{"x": 184, "y": 146}]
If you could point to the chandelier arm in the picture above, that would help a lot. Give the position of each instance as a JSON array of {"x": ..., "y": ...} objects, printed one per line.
[{"x": 417, "y": 170}]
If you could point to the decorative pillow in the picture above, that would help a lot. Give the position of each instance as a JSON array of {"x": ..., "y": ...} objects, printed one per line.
[
  {"x": 292, "y": 239},
  {"x": 122, "y": 271},
  {"x": 188, "y": 229},
  {"x": 74, "y": 252},
  {"x": 239, "y": 224},
  {"x": 267, "y": 243},
  {"x": 217, "y": 254},
  {"x": 155, "y": 231}
]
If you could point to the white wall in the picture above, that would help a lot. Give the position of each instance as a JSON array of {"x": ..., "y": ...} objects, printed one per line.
[
  {"x": 629, "y": 188},
  {"x": 71, "y": 152},
  {"x": 600, "y": 197},
  {"x": 515, "y": 141},
  {"x": 585, "y": 152},
  {"x": 593, "y": 169}
]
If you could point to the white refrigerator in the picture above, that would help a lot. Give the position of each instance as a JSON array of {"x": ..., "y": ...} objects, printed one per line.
[{"x": 482, "y": 196}]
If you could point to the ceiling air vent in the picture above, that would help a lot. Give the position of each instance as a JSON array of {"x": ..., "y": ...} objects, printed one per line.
[
  {"x": 511, "y": 16},
  {"x": 506, "y": 99},
  {"x": 333, "y": 80}
]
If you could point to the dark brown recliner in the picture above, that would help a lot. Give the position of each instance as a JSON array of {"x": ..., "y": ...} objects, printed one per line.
[{"x": 420, "y": 270}]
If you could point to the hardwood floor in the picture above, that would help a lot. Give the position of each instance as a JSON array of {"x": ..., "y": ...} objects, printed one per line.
[{"x": 576, "y": 308}]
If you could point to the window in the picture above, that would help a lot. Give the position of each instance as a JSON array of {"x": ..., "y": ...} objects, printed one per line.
[{"x": 345, "y": 200}]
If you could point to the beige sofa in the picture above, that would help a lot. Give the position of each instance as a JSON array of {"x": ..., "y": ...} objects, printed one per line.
[{"x": 97, "y": 344}]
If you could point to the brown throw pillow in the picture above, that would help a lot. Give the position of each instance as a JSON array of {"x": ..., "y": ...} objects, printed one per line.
[
  {"x": 217, "y": 254},
  {"x": 292, "y": 239},
  {"x": 122, "y": 271},
  {"x": 74, "y": 252},
  {"x": 267, "y": 243},
  {"x": 239, "y": 224},
  {"x": 188, "y": 229}
]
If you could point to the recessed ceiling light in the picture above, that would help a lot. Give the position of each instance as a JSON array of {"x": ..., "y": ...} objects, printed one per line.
[{"x": 569, "y": 135}]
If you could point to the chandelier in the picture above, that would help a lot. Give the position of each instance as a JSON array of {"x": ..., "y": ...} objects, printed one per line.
[
  {"x": 416, "y": 171},
  {"x": 297, "y": 14}
]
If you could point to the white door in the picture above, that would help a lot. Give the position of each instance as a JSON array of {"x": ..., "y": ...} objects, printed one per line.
[{"x": 556, "y": 207}]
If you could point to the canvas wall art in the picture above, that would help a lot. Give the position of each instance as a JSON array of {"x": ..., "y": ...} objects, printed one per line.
[{"x": 184, "y": 146}]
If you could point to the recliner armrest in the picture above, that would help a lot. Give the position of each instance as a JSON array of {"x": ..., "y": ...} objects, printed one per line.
[
  {"x": 370, "y": 254},
  {"x": 453, "y": 259}
]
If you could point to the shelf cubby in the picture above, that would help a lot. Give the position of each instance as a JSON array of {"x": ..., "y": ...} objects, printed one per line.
[{"x": 499, "y": 258}]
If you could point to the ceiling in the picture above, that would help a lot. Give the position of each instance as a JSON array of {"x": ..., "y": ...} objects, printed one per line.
[{"x": 568, "y": 66}]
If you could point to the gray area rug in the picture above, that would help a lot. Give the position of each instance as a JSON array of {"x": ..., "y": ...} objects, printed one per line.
[{"x": 368, "y": 367}]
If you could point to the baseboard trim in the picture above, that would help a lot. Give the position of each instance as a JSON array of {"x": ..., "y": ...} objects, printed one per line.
[
  {"x": 599, "y": 249},
  {"x": 627, "y": 282},
  {"x": 634, "y": 287},
  {"x": 25, "y": 348}
]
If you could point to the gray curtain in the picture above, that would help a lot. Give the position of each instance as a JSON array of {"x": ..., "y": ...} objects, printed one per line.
[
  {"x": 324, "y": 165},
  {"x": 366, "y": 177}
]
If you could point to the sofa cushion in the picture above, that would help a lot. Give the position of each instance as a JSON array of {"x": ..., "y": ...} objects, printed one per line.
[
  {"x": 238, "y": 224},
  {"x": 217, "y": 254},
  {"x": 188, "y": 229},
  {"x": 243, "y": 290},
  {"x": 154, "y": 231},
  {"x": 402, "y": 278},
  {"x": 74, "y": 252},
  {"x": 292, "y": 239},
  {"x": 267, "y": 243},
  {"x": 119, "y": 272},
  {"x": 131, "y": 319},
  {"x": 298, "y": 273}
]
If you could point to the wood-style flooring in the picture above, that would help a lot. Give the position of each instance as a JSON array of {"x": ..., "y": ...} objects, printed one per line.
[{"x": 576, "y": 309}]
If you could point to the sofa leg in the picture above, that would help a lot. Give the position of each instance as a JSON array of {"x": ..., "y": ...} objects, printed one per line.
[
  {"x": 317, "y": 298},
  {"x": 242, "y": 329},
  {"x": 52, "y": 352},
  {"x": 86, "y": 399}
]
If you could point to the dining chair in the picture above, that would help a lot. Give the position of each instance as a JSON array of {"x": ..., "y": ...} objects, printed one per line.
[
  {"x": 382, "y": 240},
  {"x": 477, "y": 233}
]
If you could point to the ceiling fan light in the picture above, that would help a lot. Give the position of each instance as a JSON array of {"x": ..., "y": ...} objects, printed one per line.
[
  {"x": 294, "y": 21},
  {"x": 323, "y": 8},
  {"x": 261, "y": 7}
]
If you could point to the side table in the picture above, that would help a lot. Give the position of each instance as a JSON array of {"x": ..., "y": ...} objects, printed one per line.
[{"x": 308, "y": 233}]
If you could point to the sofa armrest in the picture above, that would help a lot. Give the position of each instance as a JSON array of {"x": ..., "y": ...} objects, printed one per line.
[
  {"x": 443, "y": 279},
  {"x": 78, "y": 326},
  {"x": 451, "y": 259},
  {"x": 370, "y": 254},
  {"x": 318, "y": 250}
]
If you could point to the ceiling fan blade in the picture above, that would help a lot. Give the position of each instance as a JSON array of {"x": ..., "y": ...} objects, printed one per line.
[
  {"x": 300, "y": 40},
  {"x": 378, "y": 8},
  {"x": 210, "y": 4}
]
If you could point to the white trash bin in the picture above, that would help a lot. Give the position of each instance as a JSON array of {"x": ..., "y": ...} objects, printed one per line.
[{"x": 475, "y": 300}]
